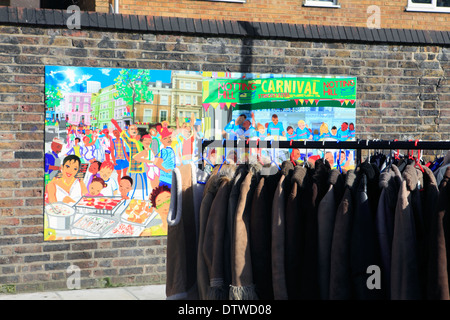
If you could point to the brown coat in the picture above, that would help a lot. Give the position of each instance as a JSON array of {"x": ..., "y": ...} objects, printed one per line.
[
  {"x": 405, "y": 265},
  {"x": 261, "y": 235},
  {"x": 242, "y": 286},
  {"x": 213, "y": 240},
  {"x": 209, "y": 193},
  {"x": 438, "y": 280}
]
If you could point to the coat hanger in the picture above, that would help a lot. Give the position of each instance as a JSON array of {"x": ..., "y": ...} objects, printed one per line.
[{"x": 419, "y": 156}]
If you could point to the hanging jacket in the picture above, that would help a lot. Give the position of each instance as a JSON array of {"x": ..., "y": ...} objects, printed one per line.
[
  {"x": 340, "y": 278},
  {"x": 407, "y": 243},
  {"x": 439, "y": 245},
  {"x": 390, "y": 182},
  {"x": 309, "y": 274},
  {"x": 242, "y": 285},
  {"x": 261, "y": 235},
  {"x": 295, "y": 229},
  {"x": 209, "y": 193},
  {"x": 364, "y": 250},
  {"x": 239, "y": 176},
  {"x": 278, "y": 232},
  {"x": 182, "y": 236},
  {"x": 214, "y": 237},
  {"x": 326, "y": 215}
]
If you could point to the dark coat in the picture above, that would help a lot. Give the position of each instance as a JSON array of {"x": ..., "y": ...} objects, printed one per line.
[
  {"x": 439, "y": 249},
  {"x": 340, "y": 278},
  {"x": 390, "y": 182},
  {"x": 278, "y": 232},
  {"x": 297, "y": 204},
  {"x": 261, "y": 235},
  {"x": 309, "y": 289},
  {"x": 326, "y": 215},
  {"x": 364, "y": 251}
]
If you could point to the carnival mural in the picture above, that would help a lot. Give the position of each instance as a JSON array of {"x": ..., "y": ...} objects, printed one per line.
[{"x": 114, "y": 136}]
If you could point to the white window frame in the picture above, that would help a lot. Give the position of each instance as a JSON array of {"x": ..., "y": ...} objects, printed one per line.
[
  {"x": 164, "y": 100},
  {"x": 426, "y": 7},
  {"x": 322, "y": 4},
  {"x": 160, "y": 115},
  {"x": 145, "y": 117}
]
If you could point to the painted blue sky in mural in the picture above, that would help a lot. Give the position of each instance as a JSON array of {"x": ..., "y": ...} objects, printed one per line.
[{"x": 75, "y": 79}]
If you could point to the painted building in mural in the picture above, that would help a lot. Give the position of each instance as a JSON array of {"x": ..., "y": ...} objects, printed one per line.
[
  {"x": 186, "y": 94},
  {"x": 157, "y": 109},
  {"x": 78, "y": 108}
]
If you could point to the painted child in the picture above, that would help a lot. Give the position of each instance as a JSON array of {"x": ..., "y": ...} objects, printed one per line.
[
  {"x": 105, "y": 172},
  {"x": 96, "y": 186},
  {"x": 125, "y": 186}
]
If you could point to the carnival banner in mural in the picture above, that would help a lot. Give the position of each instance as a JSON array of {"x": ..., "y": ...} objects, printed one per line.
[{"x": 286, "y": 107}]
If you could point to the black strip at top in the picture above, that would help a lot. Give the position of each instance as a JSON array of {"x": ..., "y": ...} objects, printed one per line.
[{"x": 200, "y": 27}]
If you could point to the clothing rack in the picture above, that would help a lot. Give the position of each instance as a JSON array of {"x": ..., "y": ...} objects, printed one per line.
[{"x": 358, "y": 145}]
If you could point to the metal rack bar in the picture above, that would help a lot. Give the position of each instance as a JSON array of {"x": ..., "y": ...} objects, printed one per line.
[{"x": 358, "y": 145}]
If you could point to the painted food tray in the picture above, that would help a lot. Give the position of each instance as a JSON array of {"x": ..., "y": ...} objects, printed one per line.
[
  {"x": 99, "y": 205},
  {"x": 138, "y": 212},
  {"x": 93, "y": 225},
  {"x": 126, "y": 229}
]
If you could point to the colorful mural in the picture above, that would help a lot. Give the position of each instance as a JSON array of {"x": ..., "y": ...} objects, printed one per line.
[
  {"x": 112, "y": 140},
  {"x": 114, "y": 136}
]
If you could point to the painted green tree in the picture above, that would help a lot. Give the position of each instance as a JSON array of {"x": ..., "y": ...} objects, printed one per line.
[
  {"x": 133, "y": 87},
  {"x": 53, "y": 97}
]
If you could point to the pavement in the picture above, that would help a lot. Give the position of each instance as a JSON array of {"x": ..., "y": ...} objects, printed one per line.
[{"x": 151, "y": 292}]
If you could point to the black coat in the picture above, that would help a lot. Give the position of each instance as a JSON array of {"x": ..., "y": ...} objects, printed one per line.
[
  {"x": 340, "y": 278},
  {"x": 309, "y": 289},
  {"x": 364, "y": 251}
]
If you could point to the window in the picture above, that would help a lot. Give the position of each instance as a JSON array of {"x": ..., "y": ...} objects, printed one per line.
[
  {"x": 148, "y": 113},
  {"x": 162, "y": 115},
  {"x": 429, "y": 5},
  {"x": 321, "y": 3},
  {"x": 164, "y": 100},
  {"x": 85, "y": 5}
]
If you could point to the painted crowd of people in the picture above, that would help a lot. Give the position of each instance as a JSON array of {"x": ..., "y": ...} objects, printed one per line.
[
  {"x": 118, "y": 162},
  {"x": 243, "y": 127}
]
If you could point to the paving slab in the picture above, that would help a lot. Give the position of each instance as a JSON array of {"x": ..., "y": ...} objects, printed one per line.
[
  {"x": 152, "y": 292},
  {"x": 97, "y": 294},
  {"x": 155, "y": 292},
  {"x": 31, "y": 296}
]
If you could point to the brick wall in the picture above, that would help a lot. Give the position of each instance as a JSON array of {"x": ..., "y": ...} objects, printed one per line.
[
  {"x": 403, "y": 93},
  {"x": 351, "y": 13}
]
